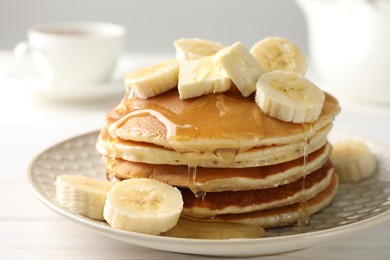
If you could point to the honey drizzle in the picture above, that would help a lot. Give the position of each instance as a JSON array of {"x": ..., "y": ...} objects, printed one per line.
[
  {"x": 193, "y": 185},
  {"x": 121, "y": 108},
  {"x": 227, "y": 155},
  {"x": 171, "y": 127},
  {"x": 191, "y": 179},
  {"x": 304, "y": 219},
  {"x": 223, "y": 119}
]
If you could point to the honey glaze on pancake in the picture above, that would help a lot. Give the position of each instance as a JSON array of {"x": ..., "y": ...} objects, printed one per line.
[
  {"x": 281, "y": 216},
  {"x": 219, "y": 116},
  {"x": 257, "y": 156},
  {"x": 184, "y": 176},
  {"x": 241, "y": 199}
]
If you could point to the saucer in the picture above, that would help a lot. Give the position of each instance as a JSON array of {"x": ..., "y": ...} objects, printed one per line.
[{"x": 111, "y": 88}]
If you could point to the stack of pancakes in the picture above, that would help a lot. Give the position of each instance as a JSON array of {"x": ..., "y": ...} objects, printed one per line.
[{"x": 231, "y": 162}]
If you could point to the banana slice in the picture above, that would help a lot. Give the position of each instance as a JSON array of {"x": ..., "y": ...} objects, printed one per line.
[
  {"x": 275, "y": 53},
  {"x": 143, "y": 205},
  {"x": 82, "y": 195},
  {"x": 241, "y": 66},
  {"x": 289, "y": 97},
  {"x": 195, "y": 48},
  {"x": 153, "y": 80},
  {"x": 353, "y": 160},
  {"x": 201, "y": 76}
]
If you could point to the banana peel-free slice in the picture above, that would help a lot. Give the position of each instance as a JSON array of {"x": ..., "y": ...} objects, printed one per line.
[
  {"x": 153, "y": 80},
  {"x": 195, "y": 48},
  {"x": 276, "y": 53},
  {"x": 289, "y": 97},
  {"x": 143, "y": 205},
  {"x": 353, "y": 160},
  {"x": 82, "y": 195}
]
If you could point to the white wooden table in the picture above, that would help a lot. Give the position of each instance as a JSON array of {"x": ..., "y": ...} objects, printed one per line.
[{"x": 29, "y": 230}]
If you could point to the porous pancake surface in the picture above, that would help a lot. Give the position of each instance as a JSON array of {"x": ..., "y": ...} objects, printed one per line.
[
  {"x": 222, "y": 158},
  {"x": 233, "y": 202},
  {"x": 280, "y": 216},
  {"x": 219, "y": 179},
  {"x": 209, "y": 122}
]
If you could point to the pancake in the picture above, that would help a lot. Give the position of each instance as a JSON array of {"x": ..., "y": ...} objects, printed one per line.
[
  {"x": 280, "y": 216},
  {"x": 233, "y": 202},
  {"x": 231, "y": 162},
  {"x": 207, "y": 123},
  {"x": 223, "y": 158},
  {"x": 219, "y": 179}
]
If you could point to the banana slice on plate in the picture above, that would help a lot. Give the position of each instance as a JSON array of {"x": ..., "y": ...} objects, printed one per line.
[
  {"x": 195, "y": 48},
  {"x": 289, "y": 97},
  {"x": 143, "y": 205},
  {"x": 276, "y": 53},
  {"x": 82, "y": 195},
  {"x": 240, "y": 65},
  {"x": 353, "y": 160},
  {"x": 153, "y": 80},
  {"x": 199, "y": 77}
]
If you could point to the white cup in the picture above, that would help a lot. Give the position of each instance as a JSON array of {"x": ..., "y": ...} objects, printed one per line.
[{"x": 71, "y": 52}]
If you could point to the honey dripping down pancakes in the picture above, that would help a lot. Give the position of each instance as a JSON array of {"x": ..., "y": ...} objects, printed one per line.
[{"x": 241, "y": 133}]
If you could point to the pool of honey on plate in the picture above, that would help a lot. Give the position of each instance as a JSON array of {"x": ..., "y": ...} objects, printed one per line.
[{"x": 213, "y": 230}]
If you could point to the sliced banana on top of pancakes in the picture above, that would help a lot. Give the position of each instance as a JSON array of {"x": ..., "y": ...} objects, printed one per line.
[
  {"x": 276, "y": 53},
  {"x": 153, "y": 80},
  {"x": 289, "y": 97},
  {"x": 195, "y": 48},
  {"x": 202, "y": 67}
]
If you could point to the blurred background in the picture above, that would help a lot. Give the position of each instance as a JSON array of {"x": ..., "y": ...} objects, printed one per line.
[
  {"x": 152, "y": 26},
  {"x": 346, "y": 41}
]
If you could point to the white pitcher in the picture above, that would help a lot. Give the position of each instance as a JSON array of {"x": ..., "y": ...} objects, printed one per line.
[{"x": 349, "y": 44}]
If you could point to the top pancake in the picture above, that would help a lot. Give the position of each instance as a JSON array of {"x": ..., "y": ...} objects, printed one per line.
[{"x": 209, "y": 122}]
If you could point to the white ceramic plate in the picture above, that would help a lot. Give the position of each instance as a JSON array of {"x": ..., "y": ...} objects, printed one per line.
[{"x": 355, "y": 207}]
